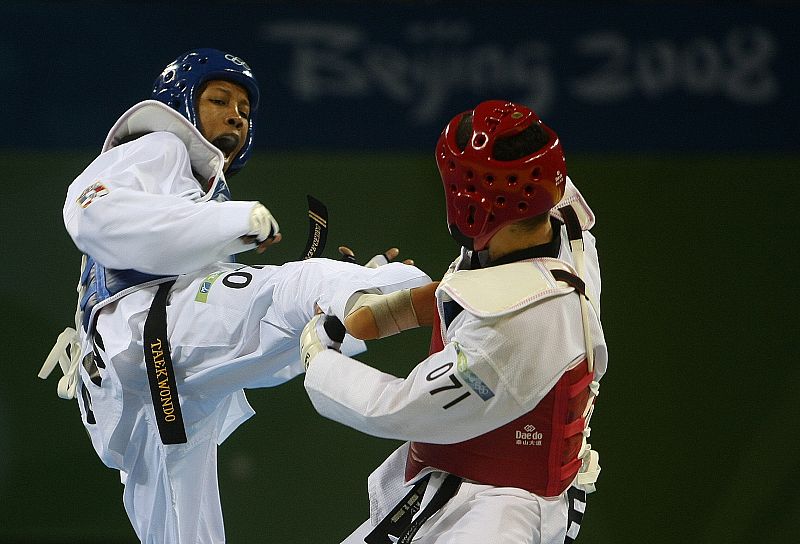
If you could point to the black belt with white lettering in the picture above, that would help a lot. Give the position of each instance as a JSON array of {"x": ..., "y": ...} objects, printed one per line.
[
  {"x": 317, "y": 228},
  {"x": 160, "y": 373},
  {"x": 398, "y": 522}
]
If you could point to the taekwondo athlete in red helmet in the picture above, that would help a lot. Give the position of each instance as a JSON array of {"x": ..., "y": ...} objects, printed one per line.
[
  {"x": 168, "y": 331},
  {"x": 496, "y": 419}
]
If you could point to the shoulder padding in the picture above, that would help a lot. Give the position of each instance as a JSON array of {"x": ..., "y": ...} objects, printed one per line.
[{"x": 500, "y": 290}]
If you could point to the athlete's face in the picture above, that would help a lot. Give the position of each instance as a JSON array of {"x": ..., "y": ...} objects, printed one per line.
[{"x": 223, "y": 110}]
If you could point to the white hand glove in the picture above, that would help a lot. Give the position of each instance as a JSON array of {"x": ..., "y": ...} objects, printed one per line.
[
  {"x": 262, "y": 225},
  {"x": 321, "y": 333}
]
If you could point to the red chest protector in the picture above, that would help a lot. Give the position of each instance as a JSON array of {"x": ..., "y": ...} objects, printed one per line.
[{"x": 537, "y": 452}]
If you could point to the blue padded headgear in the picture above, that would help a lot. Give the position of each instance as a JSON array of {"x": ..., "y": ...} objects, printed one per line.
[{"x": 180, "y": 82}]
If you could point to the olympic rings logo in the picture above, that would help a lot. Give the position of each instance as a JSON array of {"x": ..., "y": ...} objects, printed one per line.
[{"x": 236, "y": 60}]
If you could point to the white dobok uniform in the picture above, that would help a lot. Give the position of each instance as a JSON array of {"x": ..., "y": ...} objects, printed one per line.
[
  {"x": 230, "y": 326},
  {"x": 512, "y": 346}
]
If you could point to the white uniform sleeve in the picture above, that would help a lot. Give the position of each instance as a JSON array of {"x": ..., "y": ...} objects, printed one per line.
[
  {"x": 149, "y": 217},
  {"x": 436, "y": 403},
  {"x": 491, "y": 373}
]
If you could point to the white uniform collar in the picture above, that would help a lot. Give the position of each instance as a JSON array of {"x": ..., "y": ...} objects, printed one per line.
[
  {"x": 155, "y": 116},
  {"x": 574, "y": 198}
]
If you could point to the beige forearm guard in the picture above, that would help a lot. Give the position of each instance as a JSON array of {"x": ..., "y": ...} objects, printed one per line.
[{"x": 377, "y": 316}]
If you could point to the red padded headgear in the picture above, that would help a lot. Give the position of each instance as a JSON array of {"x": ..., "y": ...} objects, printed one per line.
[{"x": 484, "y": 194}]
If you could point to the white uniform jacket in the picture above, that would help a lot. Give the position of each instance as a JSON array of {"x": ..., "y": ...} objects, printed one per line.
[
  {"x": 512, "y": 361},
  {"x": 140, "y": 205}
]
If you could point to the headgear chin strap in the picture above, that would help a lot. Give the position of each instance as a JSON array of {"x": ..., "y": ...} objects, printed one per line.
[
  {"x": 179, "y": 85},
  {"x": 483, "y": 194}
]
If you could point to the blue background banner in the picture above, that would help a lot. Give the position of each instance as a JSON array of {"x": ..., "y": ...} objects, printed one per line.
[{"x": 632, "y": 77}]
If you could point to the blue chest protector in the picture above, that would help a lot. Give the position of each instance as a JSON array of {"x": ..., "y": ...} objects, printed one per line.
[{"x": 101, "y": 283}]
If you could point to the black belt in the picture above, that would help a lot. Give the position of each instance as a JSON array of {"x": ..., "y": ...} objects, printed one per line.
[
  {"x": 577, "y": 505},
  {"x": 160, "y": 373},
  {"x": 400, "y": 522},
  {"x": 317, "y": 228}
]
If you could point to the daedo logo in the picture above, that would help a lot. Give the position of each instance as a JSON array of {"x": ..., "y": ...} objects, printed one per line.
[{"x": 529, "y": 436}]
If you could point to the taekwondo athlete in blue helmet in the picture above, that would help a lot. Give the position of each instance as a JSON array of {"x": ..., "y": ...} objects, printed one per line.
[{"x": 168, "y": 331}]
